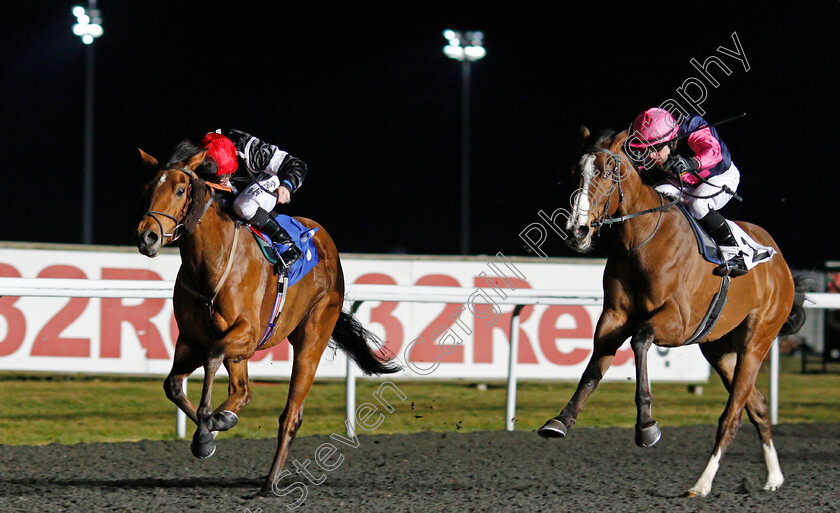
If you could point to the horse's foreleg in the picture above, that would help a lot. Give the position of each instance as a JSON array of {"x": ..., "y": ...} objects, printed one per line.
[
  {"x": 609, "y": 335},
  {"x": 202, "y": 445},
  {"x": 647, "y": 430},
  {"x": 184, "y": 363},
  {"x": 665, "y": 325},
  {"x": 239, "y": 395}
]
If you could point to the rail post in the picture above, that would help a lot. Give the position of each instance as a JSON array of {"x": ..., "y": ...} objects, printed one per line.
[{"x": 510, "y": 410}]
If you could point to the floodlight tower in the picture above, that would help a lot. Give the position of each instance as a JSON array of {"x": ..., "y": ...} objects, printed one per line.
[
  {"x": 465, "y": 47},
  {"x": 88, "y": 26}
]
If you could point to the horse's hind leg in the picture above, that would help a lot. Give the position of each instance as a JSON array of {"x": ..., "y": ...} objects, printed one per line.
[
  {"x": 723, "y": 360},
  {"x": 309, "y": 340},
  {"x": 609, "y": 335},
  {"x": 750, "y": 354}
]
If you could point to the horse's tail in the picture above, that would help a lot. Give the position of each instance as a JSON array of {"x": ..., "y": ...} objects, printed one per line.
[
  {"x": 797, "y": 312},
  {"x": 353, "y": 339}
]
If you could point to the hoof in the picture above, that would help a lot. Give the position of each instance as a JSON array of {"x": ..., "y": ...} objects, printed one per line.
[
  {"x": 264, "y": 492},
  {"x": 203, "y": 445},
  {"x": 648, "y": 436},
  {"x": 203, "y": 451},
  {"x": 553, "y": 429},
  {"x": 223, "y": 421}
]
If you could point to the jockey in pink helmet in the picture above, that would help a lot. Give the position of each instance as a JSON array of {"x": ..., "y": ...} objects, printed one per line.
[{"x": 701, "y": 172}]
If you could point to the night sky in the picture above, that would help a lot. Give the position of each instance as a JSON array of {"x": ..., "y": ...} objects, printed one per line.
[{"x": 366, "y": 97}]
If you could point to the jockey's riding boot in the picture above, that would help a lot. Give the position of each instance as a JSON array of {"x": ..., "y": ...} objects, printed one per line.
[
  {"x": 719, "y": 230},
  {"x": 268, "y": 225}
]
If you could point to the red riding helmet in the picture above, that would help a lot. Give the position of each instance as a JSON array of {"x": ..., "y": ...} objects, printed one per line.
[
  {"x": 653, "y": 126},
  {"x": 223, "y": 152}
]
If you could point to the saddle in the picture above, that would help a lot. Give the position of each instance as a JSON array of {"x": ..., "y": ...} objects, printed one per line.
[
  {"x": 753, "y": 253},
  {"x": 286, "y": 276},
  {"x": 303, "y": 239}
]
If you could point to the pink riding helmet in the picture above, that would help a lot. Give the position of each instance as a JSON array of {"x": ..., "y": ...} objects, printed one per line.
[{"x": 652, "y": 127}]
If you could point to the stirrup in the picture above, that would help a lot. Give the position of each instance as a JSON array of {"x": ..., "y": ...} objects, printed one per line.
[
  {"x": 289, "y": 257},
  {"x": 733, "y": 267}
]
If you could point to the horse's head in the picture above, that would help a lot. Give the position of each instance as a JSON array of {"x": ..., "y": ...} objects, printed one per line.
[
  {"x": 597, "y": 178},
  {"x": 169, "y": 195}
]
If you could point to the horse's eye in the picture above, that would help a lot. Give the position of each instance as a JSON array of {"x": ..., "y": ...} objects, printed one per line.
[{"x": 180, "y": 192}]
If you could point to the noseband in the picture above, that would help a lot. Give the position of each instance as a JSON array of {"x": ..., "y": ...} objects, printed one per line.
[{"x": 177, "y": 231}]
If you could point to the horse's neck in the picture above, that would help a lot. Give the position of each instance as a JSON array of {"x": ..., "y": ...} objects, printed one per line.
[
  {"x": 205, "y": 252},
  {"x": 637, "y": 197}
]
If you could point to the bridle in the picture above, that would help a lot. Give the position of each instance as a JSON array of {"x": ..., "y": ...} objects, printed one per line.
[
  {"x": 605, "y": 219},
  {"x": 177, "y": 231}
]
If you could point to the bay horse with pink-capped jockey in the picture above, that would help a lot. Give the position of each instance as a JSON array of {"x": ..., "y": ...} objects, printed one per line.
[{"x": 658, "y": 289}]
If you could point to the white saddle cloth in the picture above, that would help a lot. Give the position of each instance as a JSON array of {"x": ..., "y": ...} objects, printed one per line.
[{"x": 753, "y": 252}]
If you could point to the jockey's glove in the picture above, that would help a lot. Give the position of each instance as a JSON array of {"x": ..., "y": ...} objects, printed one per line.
[{"x": 680, "y": 165}]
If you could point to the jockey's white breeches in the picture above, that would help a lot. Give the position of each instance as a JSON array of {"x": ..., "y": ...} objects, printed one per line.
[
  {"x": 711, "y": 196},
  {"x": 257, "y": 195}
]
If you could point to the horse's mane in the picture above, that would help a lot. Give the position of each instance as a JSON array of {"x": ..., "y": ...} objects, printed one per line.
[
  {"x": 604, "y": 138},
  {"x": 198, "y": 195},
  {"x": 186, "y": 150}
]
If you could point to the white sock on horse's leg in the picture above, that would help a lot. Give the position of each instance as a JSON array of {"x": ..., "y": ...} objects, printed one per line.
[
  {"x": 774, "y": 471},
  {"x": 704, "y": 485}
]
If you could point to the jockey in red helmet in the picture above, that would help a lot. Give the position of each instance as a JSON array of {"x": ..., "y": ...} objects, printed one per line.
[
  {"x": 702, "y": 173},
  {"x": 260, "y": 174}
]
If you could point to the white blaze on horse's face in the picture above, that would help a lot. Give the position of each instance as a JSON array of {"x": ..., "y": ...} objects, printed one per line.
[{"x": 578, "y": 223}]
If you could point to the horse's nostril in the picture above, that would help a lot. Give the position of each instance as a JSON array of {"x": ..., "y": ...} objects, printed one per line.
[
  {"x": 146, "y": 238},
  {"x": 581, "y": 232}
]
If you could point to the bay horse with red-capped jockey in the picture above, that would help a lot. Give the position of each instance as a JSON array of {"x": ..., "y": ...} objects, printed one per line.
[
  {"x": 657, "y": 290},
  {"x": 224, "y": 298}
]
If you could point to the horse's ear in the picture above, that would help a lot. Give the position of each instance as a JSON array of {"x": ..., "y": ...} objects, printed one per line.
[
  {"x": 196, "y": 160},
  {"x": 618, "y": 140},
  {"x": 583, "y": 135},
  {"x": 148, "y": 159}
]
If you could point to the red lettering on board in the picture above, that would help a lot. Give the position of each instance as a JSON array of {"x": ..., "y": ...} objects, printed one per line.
[
  {"x": 383, "y": 315},
  {"x": 49, "y": 341},
  {"x": 483, "y": 337},
  {"x": 550, "y": 334},
  {"x": 15, "y": 320},
  {"x": 429, "y": 349},
  {"x": 114, "y": 313}
]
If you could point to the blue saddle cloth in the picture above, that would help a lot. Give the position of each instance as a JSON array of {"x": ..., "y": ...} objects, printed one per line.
[
  {"x": 303, "y": 238},
  {"x": 705, "y": 244}
]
